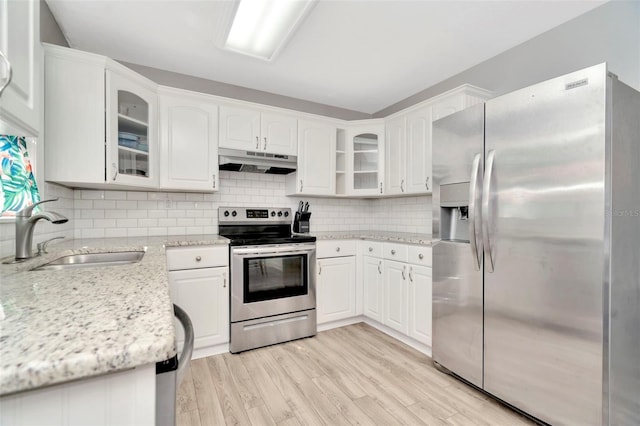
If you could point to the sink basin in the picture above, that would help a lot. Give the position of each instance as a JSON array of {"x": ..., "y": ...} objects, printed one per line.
[{"x": 92, "y": 260}]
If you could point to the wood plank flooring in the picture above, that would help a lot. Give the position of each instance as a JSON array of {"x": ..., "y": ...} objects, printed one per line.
[{"x": 354, "y": 375}]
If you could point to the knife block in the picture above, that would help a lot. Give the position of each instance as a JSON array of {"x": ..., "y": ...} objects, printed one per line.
[{"x": 301, "y": 222}]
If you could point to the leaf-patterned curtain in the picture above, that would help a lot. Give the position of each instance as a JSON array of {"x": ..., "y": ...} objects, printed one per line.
[{"x": 18, "y": 187}]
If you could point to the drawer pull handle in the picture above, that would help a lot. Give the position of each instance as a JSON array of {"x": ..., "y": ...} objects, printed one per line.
[
  {"x": 393, "y": 252},
  {"x": 198, "y": 258},
  {"x": 380, "y": 267},
  {"x": 420, "y": 256},
  {"x": 337, "y": 248},
  {"x": 404, "y": 273},
  {"x": 370, "y": 249}
]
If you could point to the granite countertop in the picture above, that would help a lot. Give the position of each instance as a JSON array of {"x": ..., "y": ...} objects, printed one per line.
[
  {"x": 385, "y": 236},
  {"x": 57, "y": 326}
]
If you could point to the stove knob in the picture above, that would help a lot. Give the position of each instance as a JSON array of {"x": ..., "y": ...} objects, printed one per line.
[
  {"x": 273, "y": 214},
  {"x": 234, "y": 213},
  {"x": 279, "y": 214},
  {"x": 226, "y": 213},
  {"x": 286, "y": 214}
]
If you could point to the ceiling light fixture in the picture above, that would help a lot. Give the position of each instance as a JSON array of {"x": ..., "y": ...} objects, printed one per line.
[{"x": 261, "y": 28}]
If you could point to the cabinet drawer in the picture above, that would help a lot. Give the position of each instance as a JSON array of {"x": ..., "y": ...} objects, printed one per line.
[
  {"x": 370, "y": 248},
  {"x": 420, "y": 255},
  {"x": 197, "y": 257},
  {"x": 335, "y": 248},
  {"x": 394, "y": 251}
]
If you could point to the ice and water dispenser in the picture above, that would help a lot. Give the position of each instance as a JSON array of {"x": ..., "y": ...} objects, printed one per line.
[{"x": 454, "y": 212}]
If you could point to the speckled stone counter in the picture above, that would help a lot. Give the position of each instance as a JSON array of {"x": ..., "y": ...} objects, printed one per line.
[
  {"x": 57, "y": 326},
  {"x": 385, "y": 236}
]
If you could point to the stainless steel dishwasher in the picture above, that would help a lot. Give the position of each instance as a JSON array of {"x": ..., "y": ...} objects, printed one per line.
[{"x": 169, "y": 373}]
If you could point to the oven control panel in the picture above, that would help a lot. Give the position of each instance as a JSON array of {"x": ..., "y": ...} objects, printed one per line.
[{"x": 275, "y": 215}]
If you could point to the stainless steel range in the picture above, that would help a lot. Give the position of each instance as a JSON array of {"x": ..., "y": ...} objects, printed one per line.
[{"x": 273, "y": 287}]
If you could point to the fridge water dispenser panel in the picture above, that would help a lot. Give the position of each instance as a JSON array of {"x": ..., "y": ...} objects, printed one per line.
[{"x": 454, "y": 212}]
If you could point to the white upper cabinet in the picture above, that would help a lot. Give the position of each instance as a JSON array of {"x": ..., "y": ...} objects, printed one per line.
[
  {"x": 132, "y": 140},
  {"x": 395, "y": 156},
  {"x": 252, "y": 130},
  {"x": 365, "y": 168},
  {"x": 100, "y": 122},
  {"x": 188, "y": 141},
  {"x": 316, "y": 160},
  {"x": 20, "y": 46},
  {"x": 418, "y": 152}
]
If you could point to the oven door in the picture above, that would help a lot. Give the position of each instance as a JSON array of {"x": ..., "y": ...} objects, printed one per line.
[{"x": 272, "y": 280}]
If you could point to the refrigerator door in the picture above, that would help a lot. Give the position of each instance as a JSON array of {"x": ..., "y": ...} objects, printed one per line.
[
  {"x": 457, "y": 258},
  {"x": 544, "y": 222}
]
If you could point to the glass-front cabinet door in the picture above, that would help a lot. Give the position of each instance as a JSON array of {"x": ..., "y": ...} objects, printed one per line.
[
  {"x": 131, "y": 148},
  {"x": 367, "y": 153}
]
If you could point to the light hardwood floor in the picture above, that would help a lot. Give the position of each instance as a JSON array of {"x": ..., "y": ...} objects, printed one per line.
[{"x": 344, "y": 376}]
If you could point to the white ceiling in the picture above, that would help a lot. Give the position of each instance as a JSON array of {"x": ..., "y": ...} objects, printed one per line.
[{"x": 361, "y": 55}]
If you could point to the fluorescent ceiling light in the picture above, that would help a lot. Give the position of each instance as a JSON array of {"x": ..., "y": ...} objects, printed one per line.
[{"x": 261, "y": 27}]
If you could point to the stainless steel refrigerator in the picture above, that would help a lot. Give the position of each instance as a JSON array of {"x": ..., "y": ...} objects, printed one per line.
[{"x": 536, "y": 277}]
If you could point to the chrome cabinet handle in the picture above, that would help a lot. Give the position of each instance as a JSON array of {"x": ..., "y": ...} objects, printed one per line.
[
  {"x": 115, "y": 168},
  {"x": 393, "y": 252},
  {"x": 411, "y": 274},
  {"x": 404, "y": 270},
  {"x": 257, "y": 142},
  {"x": 224, "y": 280},
  {"x": 381, "y": 187},
  {"x": 337, "y": 248},
  {"x": 265, "y": 144},
  {"x": 370, "y": 249},
  {"x": 300, "y": 185},
  {"x": 426, "y": 183},
  {"x": 380, "y": 267},
  {"x": 474, "y": 200},
  {"x": 198, "y": 258},
  {"x": 402, "y": 185},
  {"x": 9, "y": 72},
  {"x": 420, "y": 256},
  {"x": 486, "y": 212},
  {"x": 214, "y": 181},
  {"x": 319, "y": 268}
]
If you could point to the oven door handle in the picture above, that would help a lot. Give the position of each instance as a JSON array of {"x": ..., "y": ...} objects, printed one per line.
[{"x": 244, "y": 252}]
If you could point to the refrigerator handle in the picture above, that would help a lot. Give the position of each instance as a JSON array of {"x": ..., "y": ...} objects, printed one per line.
[
  {"x": 486, "y": 213},
  {"x": 474, "y": 204}
]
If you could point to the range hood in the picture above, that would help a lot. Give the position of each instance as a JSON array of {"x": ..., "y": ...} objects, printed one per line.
[{"x": 256, "y": 162}]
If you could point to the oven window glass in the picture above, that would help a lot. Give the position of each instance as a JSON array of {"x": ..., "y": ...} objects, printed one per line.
[{"x": 276, "y": 277}]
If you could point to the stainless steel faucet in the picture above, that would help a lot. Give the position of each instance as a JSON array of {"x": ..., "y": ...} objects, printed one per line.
[{"x": 25, "y": 222}]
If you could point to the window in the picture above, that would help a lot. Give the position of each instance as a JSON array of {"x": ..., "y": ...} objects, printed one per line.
[{"x": 18, "y": 187}]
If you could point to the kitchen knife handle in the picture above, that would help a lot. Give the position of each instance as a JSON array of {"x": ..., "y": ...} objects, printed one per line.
[
  {"x": 476, "y": 178},
  {"x": 486, "y": 211}
]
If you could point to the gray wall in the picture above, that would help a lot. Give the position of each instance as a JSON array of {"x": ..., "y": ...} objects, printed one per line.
[
  {"x": 608, "y": 33},
  {"x": 50, "y": 31}
]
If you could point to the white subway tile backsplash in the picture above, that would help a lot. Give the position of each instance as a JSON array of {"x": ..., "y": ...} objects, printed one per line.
[{"x": 115, "y": 213}]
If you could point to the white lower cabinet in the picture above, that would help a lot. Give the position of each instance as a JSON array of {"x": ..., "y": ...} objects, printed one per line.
[
  {"x": 199, "y": 284},
  {"x": 396, "y": 313},
  {"x": 420, "y": 303},
  {"x": 373, "y": 288},
  {"x": 336, "y": 288}
]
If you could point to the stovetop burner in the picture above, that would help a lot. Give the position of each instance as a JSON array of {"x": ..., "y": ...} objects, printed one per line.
[{"x": 258, "y": 226}]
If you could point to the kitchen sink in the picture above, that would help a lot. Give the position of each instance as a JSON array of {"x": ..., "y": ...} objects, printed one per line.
[{"x": 91, "y": 260}]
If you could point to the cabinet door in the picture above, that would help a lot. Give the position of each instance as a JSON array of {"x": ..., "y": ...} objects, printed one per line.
[
  {"x": 336, "y": 290},
  {"x": 420, "y": 303},
  {"x": 279, "y": 134},
  {"x": 316, "y": 159},
  {"x": 188, "y": 144},
  {"x": 132, "y": 141},
  {"x": 396, "y": 311},
  {"x": 373, "y": 288},
  {"x": 20, "y": 44},
  {"x": 395, "y": 156},
  {"x": 418, "y": 154},
  {"x": 74, "y": 122},
  {"x": 239, "y": 129},
  {"x": 204, "y": 295}
]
